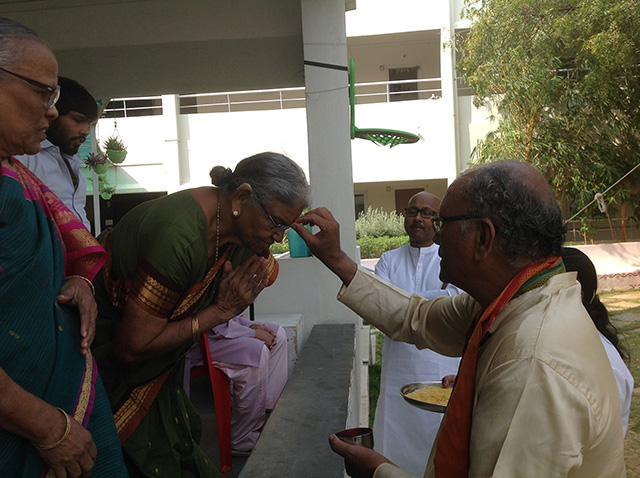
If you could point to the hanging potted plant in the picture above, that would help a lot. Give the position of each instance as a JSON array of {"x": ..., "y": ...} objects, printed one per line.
[
  {"x": 115, "y": 148},
  {"x": 97, "y": 162},
  {"x": 106, "y": 191}
]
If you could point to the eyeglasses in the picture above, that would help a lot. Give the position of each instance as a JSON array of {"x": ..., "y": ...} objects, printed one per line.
[
  {"x": 439, "y": 221},
  {"x": 425, "y": 213},
  {"x": 54, "y": 91},
  {"x": 276, "y": 226}
]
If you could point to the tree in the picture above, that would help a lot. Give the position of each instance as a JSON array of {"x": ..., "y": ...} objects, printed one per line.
[{"x": 565, "y": 77}]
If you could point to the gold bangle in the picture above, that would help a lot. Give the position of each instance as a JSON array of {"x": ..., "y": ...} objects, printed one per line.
[
  {"x": 93, "y": 289},
  {"x": 195, "y": 328},
  {"x": 67, "y": 430}
]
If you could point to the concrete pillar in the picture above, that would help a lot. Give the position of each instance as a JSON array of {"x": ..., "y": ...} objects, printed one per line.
[
  {"x": 97, "y": 220},
  {"x": 305, "y": 286},
  {"x": 173, "y": 159},
  {"x": 330, "y": 170},
  {"x": 327, "y": 94},
  {"x": 449, "y": 88}
]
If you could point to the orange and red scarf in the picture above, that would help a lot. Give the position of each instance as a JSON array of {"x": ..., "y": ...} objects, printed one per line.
[{"x": 452, "y": 453}]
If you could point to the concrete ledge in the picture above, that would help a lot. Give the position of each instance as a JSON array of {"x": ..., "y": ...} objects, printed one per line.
[{"x": 314, "y": 405}]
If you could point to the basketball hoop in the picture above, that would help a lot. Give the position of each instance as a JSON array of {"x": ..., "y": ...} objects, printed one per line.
[{"x": 381, "y": 137}]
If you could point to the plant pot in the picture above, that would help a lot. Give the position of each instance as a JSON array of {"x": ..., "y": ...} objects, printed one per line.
[
  {"x": 106, "y": 195},
  {"x": 101, "y": 168},
  {"x": 116, "y": 156}
]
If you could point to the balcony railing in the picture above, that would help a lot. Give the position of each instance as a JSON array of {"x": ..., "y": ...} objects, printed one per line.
[
  {"x": 286, "y": 98},
  {"x": 277, "y": 99}
]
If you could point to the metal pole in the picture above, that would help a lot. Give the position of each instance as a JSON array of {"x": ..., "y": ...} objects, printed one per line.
[{"x": 97, "y": 223}]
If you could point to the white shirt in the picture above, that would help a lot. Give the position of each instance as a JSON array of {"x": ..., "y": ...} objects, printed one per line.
[
  {"x": 401, "y": 432},
  {"x": 623, "y": 378},
  {"x": 51, "y": 169}
]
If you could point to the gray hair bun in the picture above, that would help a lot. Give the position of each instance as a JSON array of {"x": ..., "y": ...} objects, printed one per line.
[{"x": 220, "y": 175}]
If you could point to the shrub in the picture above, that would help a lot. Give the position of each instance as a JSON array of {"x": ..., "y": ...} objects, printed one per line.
[
  {"x": 372, "y": 247},
  {"x": 377, "y": 223},
  {"x": 280, "y": 247}
]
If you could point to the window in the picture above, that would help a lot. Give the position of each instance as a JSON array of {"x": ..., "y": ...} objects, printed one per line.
[
  {"x": 359, "y": 204},
  {"x": 403, "y": 89}
]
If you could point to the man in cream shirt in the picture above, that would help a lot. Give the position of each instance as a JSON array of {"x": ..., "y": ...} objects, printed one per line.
[{"x": 543, "y": 401}]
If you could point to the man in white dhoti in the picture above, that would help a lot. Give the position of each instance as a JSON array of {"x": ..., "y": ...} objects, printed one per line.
[{"x": 403, "y": 433}]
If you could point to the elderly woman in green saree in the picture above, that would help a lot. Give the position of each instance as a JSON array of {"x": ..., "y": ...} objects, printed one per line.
[
  {"x": 55, "y": 418},
  {"x": 178, "y": 266}
]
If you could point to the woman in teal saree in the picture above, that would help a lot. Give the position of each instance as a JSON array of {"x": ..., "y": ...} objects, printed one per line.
[
  {"x": 54, "y": 413},
  {"x": 178, "y": 266},
  {"x": 40, "y": 343}
]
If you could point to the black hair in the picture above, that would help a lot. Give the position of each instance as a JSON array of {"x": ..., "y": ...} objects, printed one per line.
[
  {"x": 75, "y": 97},
  {"x": 576, "y": 260}
]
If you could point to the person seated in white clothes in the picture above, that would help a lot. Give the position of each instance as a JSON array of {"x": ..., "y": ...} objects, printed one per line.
[{"x": 254, "y": 356}]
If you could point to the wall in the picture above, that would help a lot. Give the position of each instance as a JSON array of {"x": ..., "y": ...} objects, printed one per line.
[
  {"x": 375, "y": 54},
  {"x": 382, "y": 195},
  {"x": 473, "y": 125}
]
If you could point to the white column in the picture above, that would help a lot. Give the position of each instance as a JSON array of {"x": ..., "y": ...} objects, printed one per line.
[
  {"x": 330, "y": 170},
  {"x": 327, "y": 105},
  {"x": 449, "y": 89},
  {"x": 327, "y": 94},
  {"x": 170, "y": 116},
  {"x": 305, "y": 286},
  {"x": 97, "y": 220}
]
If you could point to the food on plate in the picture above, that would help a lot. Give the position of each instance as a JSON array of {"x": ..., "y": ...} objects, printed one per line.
[{"x": 435, "y": 395}]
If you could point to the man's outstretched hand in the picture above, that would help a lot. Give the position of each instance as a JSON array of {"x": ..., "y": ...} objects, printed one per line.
[{"x": 359, "y": 462}]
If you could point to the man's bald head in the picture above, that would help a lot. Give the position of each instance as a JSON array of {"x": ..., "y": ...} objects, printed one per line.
[
  {"x": 419, "y": 228},
  {"x": 425, "y": 197}
]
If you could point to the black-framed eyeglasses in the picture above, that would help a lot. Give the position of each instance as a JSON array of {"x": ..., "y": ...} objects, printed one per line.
[
  {"x": 425, "y": 212},
  {"x": 439, "y": 221},
  {"x": 276, "y": 225},
  {"x": 54, "y": 91}
]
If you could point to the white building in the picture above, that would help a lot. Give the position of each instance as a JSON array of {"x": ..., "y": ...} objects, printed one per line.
[{"x": 405, "y": 81}]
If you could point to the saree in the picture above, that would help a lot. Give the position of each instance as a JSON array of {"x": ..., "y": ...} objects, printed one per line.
[
  {"x": 158, "y": 258},
  {"x": 41, "y": 241}
]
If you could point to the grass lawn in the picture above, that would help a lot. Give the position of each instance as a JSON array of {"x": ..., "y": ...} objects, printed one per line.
[{"x": 625, "y": 311}]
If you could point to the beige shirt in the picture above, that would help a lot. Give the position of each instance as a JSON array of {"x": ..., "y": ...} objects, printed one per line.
[{"x": 546, "y": 401}]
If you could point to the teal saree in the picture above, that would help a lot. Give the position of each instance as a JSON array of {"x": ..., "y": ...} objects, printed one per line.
[{"x": 40, "y": 243}]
